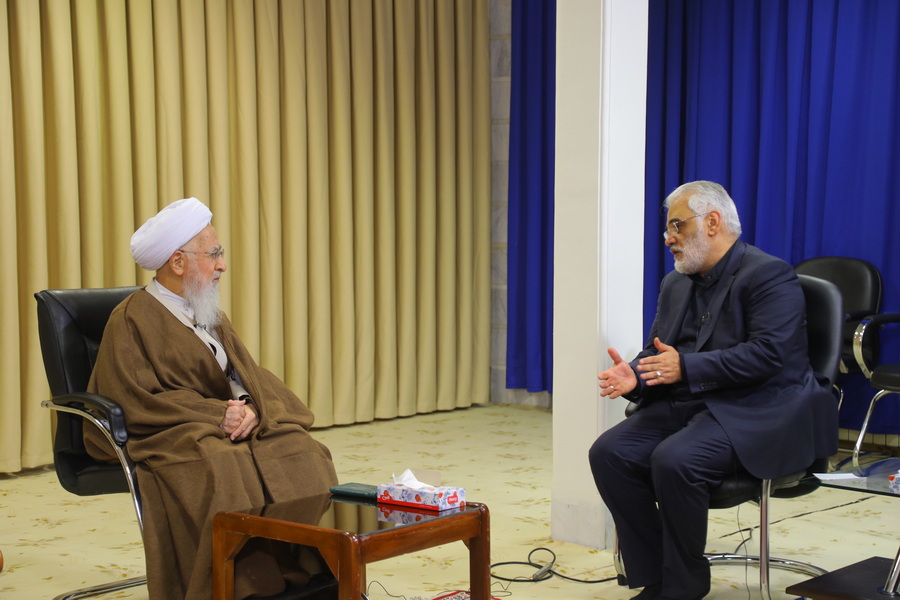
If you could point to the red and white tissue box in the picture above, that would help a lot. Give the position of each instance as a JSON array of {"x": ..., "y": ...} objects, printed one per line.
[{"x": 430, "y": 498}]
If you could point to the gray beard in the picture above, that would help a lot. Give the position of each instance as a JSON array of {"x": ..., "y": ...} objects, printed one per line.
[
  {"x": 203, "y": 297},
  {"x": 693, "y": 253}
]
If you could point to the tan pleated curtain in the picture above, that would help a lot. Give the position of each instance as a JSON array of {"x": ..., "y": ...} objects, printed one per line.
[{"x": 343, "y": 147}]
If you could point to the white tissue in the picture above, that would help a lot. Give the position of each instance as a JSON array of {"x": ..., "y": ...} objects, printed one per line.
[{"x": 409, "y": 480}]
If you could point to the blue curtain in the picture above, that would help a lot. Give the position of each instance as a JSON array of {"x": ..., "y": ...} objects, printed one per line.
[
  {"x": 794, "y": 106},
  {"x": 529, "y": 354}
]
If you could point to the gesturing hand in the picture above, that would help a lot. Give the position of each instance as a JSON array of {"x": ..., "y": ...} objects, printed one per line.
[
  {"x": 665, "y": 367},
  {"x": 618, "y": 379}
]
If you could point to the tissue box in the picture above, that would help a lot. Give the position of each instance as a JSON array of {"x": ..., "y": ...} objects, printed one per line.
[
  {"x": 407, "y": 516},
  {"x": 432, "y": 498}
]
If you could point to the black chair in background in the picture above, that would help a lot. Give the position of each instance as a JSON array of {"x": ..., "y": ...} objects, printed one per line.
[
  {"x": 861, "y": 289},
  {"x": 824, "y": 318},
  {"x": 70, "y": 324},
  {"x": 883, "y": 377}
]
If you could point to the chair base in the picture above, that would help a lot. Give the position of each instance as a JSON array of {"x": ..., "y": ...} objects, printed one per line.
[
  {"x": 779, "y": 563},
  {"x": 773, "y": 561},
  {"x": 106, "y": 588},
  {"x": 857, "y": 448}
]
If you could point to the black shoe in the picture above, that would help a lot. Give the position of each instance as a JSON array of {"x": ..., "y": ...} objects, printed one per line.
[{"x": 650, "y": 592}]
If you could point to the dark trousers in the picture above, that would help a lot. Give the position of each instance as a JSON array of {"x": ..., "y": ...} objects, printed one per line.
[{"x": 654, "y": 471}]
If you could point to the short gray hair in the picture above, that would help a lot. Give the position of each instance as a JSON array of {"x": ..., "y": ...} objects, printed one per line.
[{"x": 706, "y": 196}]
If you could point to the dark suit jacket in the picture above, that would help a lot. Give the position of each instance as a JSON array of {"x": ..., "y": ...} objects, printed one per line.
[{"x": 750, "y": 364}]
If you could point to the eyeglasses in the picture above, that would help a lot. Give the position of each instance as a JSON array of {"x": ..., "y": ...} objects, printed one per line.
[
  {"x": 672, "y": 227},
  {"x": 215, "y": 253}
]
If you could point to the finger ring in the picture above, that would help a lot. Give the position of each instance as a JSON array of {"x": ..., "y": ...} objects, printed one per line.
[
  {"x": 612, "y": 387},
  {"x": 658, "y": 374}
]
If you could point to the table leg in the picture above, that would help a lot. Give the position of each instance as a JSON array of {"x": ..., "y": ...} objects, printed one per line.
[
  {"x": 480, "y": 559},
  {"x": 363, "y": 580},
  {"x": 226, "y": 545},
  {"x": 351, "y": 567}
]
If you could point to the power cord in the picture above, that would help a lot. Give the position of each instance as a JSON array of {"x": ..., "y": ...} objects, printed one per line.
[
  {"x": 744, "y": 542},
  {"x": 544, "y": 571},
  {"x": 384, "y": 589}
]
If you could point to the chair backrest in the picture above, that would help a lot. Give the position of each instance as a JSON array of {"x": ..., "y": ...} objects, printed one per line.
[
  {"x": 70, "y": 327},
  {"x": 824, "y": 318},
  {"x": 860, "y": 284}
]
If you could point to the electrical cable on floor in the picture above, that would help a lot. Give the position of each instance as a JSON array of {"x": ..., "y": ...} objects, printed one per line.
[
  {"x": 544, "y": 570},
  {"x": 381, "y": 585},
  {"x": 744, "y": 540},
  {"x": 809, "y": 512},
  {"x": 744, "y": 543}
]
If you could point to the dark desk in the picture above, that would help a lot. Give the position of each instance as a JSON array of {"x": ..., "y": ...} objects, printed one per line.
[
  {"x": 875, "y": 578},
  {"x": 349, "y": 534}
]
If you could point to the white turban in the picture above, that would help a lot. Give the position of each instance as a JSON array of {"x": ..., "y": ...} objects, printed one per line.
[{"x": 169, "y": 230}]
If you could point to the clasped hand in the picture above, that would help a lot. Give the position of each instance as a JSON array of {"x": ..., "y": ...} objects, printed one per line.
[
  {"x": 240, "y": 420},
  {"x": 664, "y": 367}
]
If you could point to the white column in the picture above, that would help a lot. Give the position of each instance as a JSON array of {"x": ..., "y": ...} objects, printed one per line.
[{"x": 601, "y": 69}]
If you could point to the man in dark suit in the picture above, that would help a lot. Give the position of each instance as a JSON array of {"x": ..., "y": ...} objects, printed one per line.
[{"x": 723, "y": 383}]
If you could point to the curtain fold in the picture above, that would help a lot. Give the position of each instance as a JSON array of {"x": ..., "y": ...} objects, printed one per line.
[
  {"x": 792, "y": 105},
  {"x": 529, "y": 346},
  {"x": 343, "y": 147}
]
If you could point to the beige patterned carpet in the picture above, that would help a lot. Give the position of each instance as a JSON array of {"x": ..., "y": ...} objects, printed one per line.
[{"x": 54, "y": 542}]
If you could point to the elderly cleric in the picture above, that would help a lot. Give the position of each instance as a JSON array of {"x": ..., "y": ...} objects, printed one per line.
[{"x": 209, "y": 429}]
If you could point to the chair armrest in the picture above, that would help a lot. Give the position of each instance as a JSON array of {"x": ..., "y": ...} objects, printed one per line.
[
  {"x": 870, "y": 321},
  {"x": 882, "y": 318},
  {"x": 95, "y": 406},
  {"x": 856, "y": 315}
]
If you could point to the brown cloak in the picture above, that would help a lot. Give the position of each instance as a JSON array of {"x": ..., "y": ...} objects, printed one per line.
[{"x": 173, "y": 393}]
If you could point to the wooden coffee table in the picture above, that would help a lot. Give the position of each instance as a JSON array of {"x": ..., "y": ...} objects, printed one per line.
[{"x": 376, "y": 532}]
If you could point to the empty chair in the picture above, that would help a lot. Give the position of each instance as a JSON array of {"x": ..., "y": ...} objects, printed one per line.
[
  {"x": 860, "y": 284},
  {"x": 883, "y": 377}
]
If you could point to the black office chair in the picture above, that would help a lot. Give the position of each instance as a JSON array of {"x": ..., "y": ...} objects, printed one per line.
[
  {"x": 824, "y": 317},
  {"x": 861, "y": 289},
  {"x": 883, "y": 377},
  {"x": 70, "y": 324}
]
